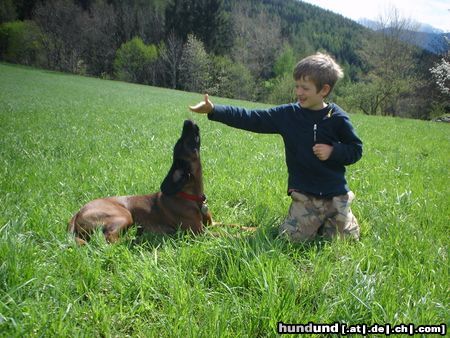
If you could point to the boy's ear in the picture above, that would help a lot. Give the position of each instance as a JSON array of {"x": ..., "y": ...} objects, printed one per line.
[
  {"x": 325, "y": 91},
  {"x": 176, "y": 178}
]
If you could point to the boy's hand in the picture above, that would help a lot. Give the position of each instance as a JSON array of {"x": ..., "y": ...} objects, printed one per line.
[
  {"x": 322, "y": 151},
  {"x": 204, "y": 107}
]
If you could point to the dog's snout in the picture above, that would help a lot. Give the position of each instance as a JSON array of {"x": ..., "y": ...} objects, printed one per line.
[
  {"x": 188, "y": 124},
  {"x": 190, "y": 129},
  {"x": 189, "y": 142}
]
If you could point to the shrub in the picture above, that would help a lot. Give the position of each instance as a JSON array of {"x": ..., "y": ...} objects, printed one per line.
[
  {"x": 282, "y": 90},
  {"x": 285, "y": 62},
  {"x": 441, "y": 75},
  {"x": 21, "y": 42},
  {"x": 231, "y": 79},
  {"x": 194, "y": 66},
  {"x": 135, "y": 62}
]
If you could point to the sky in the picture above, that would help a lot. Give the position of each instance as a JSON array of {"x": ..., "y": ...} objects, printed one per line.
[{"x": 432, "y": 12}]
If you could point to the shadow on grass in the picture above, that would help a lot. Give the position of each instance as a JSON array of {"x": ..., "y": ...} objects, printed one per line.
[{"x": 262, "y": 239}]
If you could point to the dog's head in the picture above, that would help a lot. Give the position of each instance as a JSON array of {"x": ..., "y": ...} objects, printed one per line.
[{"x": 186, "y": 159}]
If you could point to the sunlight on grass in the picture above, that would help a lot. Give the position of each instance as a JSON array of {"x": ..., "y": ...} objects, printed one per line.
[{"x": 66, "y": 140}]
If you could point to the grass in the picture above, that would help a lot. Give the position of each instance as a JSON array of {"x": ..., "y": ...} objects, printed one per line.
[{"x": 67, "y": 139}]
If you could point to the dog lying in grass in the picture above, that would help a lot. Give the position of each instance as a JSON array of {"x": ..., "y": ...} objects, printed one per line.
[{"x": 181, "y": 203}]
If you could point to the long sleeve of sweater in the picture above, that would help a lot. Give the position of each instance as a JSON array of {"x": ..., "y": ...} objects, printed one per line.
[{"x": 266, "y": 121}]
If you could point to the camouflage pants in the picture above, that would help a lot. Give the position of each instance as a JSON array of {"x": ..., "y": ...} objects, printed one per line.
[{"x": 310, "y": 216}]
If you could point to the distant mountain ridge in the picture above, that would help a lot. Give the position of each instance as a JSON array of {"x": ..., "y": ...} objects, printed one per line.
[
  {"x": 435, "y": 43},
  {"x": 429, "y": 38}
]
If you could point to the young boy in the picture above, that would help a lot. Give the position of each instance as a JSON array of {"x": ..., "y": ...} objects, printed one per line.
[{"x": 319, "y": 142}]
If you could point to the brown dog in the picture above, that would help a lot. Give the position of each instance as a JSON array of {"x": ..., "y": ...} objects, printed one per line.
[{"x": 181, "y": 204}]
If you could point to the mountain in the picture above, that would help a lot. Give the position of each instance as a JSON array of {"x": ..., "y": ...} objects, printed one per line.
[
  {"x": 372, "y": 24},
  {"x": 426, "y": 28},
  {"x": 427, "y": 37},
  {"x": 433, "y": 42}
]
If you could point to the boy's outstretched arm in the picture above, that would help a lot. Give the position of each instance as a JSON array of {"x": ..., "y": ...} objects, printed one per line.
[
  {"x": 204, "y": 107},
  {"x": 255, "y": 120}
]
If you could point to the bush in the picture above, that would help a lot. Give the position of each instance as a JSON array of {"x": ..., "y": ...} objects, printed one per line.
[
  {"x": 282, "y": 90},
  {"x": 285, "y": 62},
  {"x": 135, "y": 62},
  {"x": 21, "y": 42},
  {"x": 194, "y": 66},
  {"x": 231, "y": 79}
]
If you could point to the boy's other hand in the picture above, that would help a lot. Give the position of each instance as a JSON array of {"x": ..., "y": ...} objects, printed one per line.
[
  {"x": 204, "y": 107},
  {"x": 322, "y": 151}
]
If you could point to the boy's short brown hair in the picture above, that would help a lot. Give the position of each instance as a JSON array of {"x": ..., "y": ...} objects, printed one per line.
[{"x": 319, "y": 68}]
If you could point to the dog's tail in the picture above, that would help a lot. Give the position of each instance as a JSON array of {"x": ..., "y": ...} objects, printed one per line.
[{"x": 72, "y": 230}]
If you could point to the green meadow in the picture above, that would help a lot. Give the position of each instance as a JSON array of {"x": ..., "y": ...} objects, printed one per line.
[{"x": 65, "y": 140}]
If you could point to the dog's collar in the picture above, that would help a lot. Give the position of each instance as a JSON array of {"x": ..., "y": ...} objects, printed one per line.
[
  {"x": 197, "y": 198},
  {"x": 201, "y": 199}
]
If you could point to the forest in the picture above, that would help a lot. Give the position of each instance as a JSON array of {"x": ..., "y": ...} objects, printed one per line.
[{"x": 237, "y": 49}]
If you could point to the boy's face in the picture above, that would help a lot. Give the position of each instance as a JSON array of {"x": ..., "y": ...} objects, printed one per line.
[{"x": 308, "y": 96}]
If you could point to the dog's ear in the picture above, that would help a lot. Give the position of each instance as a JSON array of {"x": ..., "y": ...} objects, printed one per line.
[{"x": 176, "y": 178}]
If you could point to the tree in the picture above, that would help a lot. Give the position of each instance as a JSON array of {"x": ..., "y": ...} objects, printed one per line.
[
  {"x": 441, "y": 75},
  {"x": 171, "y": 53},
  {"x": 21, "y": 42},
  {"x": 7, "y": 11},
  {"x": 135, "y": 62},
  {"x": 282, "y": 90},
  {"x": 143, "y": 18},
  {"x": 25, "y": 8},
  {"x": 231, "y": 79},
  {"x": 390, "y": 57},
  {"x": 286, "y": 61},
  {"x": 205, "y": 19},
  {"x": 257, "y": 42},
  {"x": 194, "y": 67},
  {"x": 61, "y": 23},
  {"x": 100, "y": 42}
]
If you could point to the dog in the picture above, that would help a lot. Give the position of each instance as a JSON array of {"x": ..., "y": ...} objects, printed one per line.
[{"x": 181, "y": 203}]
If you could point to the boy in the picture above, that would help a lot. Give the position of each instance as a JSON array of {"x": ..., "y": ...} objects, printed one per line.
[{"x": 319, "y": 141}]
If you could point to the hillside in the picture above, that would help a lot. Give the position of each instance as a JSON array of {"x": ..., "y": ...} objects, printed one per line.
[
  {"x": 309, "y": 26},
  {"x": 238, "y": 49},
  {"x": 67, "y": 139}
]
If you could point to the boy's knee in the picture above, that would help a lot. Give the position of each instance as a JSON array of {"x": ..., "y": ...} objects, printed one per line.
[
  {"x": 352, "y": 230},
  {"x": 309, "y": 218},
  {"x": 296, "y": 232},
  {"x": 348, "y": 228},
  {"x": 291, "y": 231}
]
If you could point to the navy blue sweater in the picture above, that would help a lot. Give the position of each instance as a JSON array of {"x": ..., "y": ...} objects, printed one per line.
[{"x": 302, "y": 128}]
